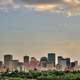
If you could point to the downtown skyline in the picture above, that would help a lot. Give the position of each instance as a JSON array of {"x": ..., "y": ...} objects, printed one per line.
[
  {"x": 45, "y": 63},
  {"x": 54, "y": 55},
  {"x": 51, "y": 59},
  {"x": 35, "y": 33}
]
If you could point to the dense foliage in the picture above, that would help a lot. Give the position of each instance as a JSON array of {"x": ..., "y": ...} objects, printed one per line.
[{"x": 43, "y": 75}]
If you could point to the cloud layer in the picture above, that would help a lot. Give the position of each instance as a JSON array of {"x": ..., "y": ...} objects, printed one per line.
[{"x": 66, "y": 7}]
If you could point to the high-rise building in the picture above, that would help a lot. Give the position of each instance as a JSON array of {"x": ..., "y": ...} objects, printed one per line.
[
  {"x": 51, "y": 58},
  {"x": 65, "y": 62},
  {"x": 74, "y": 64},
  {"x": 13, "y": 64},
  {"x": 7, "y": 58},
  {"x": 59, "y": 59},
  {"x": 26, "y": 59},
  {"x": 43, "y": 62},
  {"x": 1, "y": 64},
  {"x": 68, "y": 62}
]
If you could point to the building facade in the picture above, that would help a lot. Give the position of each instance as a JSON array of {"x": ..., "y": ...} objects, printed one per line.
[
  {"x": 7, "y": 58},
  {"x": 51, "y": 58}
]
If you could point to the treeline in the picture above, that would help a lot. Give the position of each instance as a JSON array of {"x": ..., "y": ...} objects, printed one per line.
[{"x": 43, "y": 75}]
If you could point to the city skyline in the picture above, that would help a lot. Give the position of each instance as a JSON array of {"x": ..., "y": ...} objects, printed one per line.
[
  {"x": 50, "y": 56},
  {"x": 45, "y": 63},
  {"x": 36, "y": 29}
]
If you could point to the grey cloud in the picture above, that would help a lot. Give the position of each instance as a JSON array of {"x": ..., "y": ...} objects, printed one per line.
[
  {"x": 68, "y": 7},
  {"x": 42, "y": 1}
]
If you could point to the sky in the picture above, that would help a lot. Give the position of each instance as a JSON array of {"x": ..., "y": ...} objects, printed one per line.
[{"x": 37, "y": 27}]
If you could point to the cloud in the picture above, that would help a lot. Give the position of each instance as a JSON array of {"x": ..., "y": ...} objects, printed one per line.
[
  {"x": 66, "y": 7},
  {"x": 6, "y": 3},
  {"x": 9, "y": 4}
]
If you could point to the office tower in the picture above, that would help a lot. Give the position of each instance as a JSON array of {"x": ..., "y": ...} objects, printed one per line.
[
  {"x": 43, "y": 62},
  {"x": 51, "y": 58},
  {"x": 7, "y": 58},
  {"x": 68, "y": 62},
  {"x": 65, "y": 62},
  {"x": 13, "y": 64},
  {"x": 26, "y": 59},
  {"x": 59, "y": 59},
  {"x": 74, "y": 64}
]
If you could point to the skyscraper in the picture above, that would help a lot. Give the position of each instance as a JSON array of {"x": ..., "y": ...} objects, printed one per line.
[
  {"x": 13, "y": 64},
  {"x": 1, "y": 64},
  {"x": 7, "y": 58},
  {"x": 51, "y": 58},
  {"x": 26, "y": 59},
  {"x": 59, "y": 59},
  {"x": 43, "y": 62},
  {"x": 68, "y": 62},
  {"x": 65, "y": 62}
]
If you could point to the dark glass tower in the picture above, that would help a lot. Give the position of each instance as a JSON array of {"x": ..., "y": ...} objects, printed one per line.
[{"x": 51, "y": 58}]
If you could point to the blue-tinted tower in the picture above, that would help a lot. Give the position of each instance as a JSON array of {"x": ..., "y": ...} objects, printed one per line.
[{"x": 51, "y": 58}]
